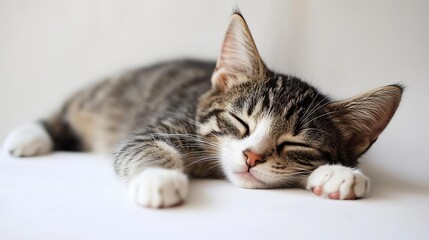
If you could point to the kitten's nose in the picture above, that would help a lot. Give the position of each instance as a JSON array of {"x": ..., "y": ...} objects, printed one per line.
[{"x": 253, "y": 158}]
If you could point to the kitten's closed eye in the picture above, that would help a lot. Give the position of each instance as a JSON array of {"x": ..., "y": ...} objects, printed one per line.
[
  {"x": 285, "y": 144},
  {"x": 246, "y": 131}
]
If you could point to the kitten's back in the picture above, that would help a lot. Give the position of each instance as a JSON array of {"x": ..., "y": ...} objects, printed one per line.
[{"x": 95, "y": 118}]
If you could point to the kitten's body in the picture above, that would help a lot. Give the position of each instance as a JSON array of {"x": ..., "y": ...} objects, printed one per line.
[
  {"x": 257, "y": 128},
  {"x": 100, "y": 115}
]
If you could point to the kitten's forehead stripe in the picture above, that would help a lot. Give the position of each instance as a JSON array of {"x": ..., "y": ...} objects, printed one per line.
[
  {"x": 251, "y": 106},
  {"x": 210, "y": 114},
  {"x": 273, "y": 83},
  {"x": 285, "y": 97},
  {"x": 289, "y": 111},
  {"x": 266, "y": 101}
]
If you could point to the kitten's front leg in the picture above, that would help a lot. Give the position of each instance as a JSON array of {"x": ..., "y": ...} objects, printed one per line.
[
  {"x": 158, "y": 187},
  {"x": 152, "y": 166},
  {"x": 338, "y": 182}
]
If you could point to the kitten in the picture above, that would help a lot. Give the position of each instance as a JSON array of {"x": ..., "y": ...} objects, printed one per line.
[{"x": 253, "y": 126}]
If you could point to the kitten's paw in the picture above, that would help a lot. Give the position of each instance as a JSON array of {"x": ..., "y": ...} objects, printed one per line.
[
  {"x": 158, "y": 187},
  {"x": 28, "y": 140},
  {"x": 338, "y": 182}
]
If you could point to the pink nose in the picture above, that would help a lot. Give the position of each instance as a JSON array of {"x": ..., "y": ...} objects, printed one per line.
[{"x": 253, "y": 158}]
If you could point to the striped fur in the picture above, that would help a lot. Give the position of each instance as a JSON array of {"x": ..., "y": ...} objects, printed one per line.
[{"x": 171, "y": 116}]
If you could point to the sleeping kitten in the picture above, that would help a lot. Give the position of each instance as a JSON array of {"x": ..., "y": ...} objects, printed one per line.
[{"x": 255, "y": 127}]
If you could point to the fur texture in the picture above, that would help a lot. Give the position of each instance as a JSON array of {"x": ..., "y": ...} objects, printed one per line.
[{"x": 253, "y": 126}]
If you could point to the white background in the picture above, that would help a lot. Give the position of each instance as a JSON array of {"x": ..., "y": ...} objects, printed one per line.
[{"x": 50, "y": 48}]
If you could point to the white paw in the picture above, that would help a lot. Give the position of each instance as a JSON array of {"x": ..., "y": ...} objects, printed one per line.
[
  {"x": 28, "y": 140},
  {"x": 158, "y": 187},
  {"x": 338, "y": 182}
]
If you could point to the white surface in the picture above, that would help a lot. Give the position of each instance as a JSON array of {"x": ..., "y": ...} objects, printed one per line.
[
  {"x": 76, "y": 196},
  {"x": 50, "y": 48}
]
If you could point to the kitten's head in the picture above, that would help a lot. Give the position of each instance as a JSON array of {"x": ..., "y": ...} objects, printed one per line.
[{"x": 271, "y": 130}]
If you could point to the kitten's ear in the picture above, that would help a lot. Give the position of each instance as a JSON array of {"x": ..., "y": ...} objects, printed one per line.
[
  {"x": 239, "y": 60},
  {"x": 364, "y": 117}
]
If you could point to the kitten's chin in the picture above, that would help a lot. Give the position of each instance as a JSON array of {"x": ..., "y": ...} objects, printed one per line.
[{"x": 246, "y": 180}]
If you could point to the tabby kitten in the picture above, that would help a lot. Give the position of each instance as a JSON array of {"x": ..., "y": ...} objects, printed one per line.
[{"x": 253, "y": 126}]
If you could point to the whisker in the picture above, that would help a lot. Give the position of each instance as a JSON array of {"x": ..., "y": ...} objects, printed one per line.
[
  {"x": 319, "y": 116},
  {"x": 318, "y": 130},
  {"x": 315, "y": 109},
  {"x": 309, "y": 107}
]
